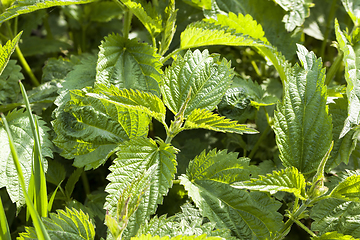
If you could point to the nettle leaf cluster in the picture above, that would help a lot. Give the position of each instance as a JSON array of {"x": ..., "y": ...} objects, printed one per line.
[{"x": 180, "y": 120}]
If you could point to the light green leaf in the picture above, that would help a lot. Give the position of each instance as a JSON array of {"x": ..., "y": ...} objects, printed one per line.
[
  {"x": 245, "y": 214},
  {"x": 296, "y": 10},
  {"x": 68, "y": 224},
  {"x": 333, "y": 236},
  {"x": 202, "y": 33},
  {"x": 344, "y": 146},
  {"x": 287, "y": 180},
  {"x": 246, "y": 25},
  {"x": 91, "y": 131},
  {"x": 200, "y": 72},
  {"x": 336, "y": 215},
  {"x": 136, "y": 156},
  {"x": 133, "y": 100},
  {"x": 352, "y": 7},
  {"x": 169, "y": 29},
  {"x": 269, "y": 15},
  {"x": 7, "y": 50},
  {"x": 128, "y": 64},
  {"x": 302, "y": 118},
  {"x": 204, "y": 4},
  {"x": 348, "y": 190},
  {"x": 202, "y": 118},
  {"x": 19, "y": 124},
  {"x": 9, "y": 83},
  {"x": 28, "y": 6},
  {"x": 352, "y": 67},
  {"x": 180, "y": 237},
  {"x": 147, "y": 15}
]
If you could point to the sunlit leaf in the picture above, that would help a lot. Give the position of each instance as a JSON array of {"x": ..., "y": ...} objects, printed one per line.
[
  {"x": 348, "y": 190},
  {"x": 302, "y": 118}
]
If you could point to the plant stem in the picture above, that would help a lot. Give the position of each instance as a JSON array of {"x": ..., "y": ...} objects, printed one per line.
[
  {"x": 22, "y": 60},
  {"x": 164, "y": 59},
  {"x": 85, "y": 182},
  {"x": 127, "y": 23},
  {"x": 334, "y": 68},
  {"x": 257, "y": 144},
  {"x": 327, "y": 30}
]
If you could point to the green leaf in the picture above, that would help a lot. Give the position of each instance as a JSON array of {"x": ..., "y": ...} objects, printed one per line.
[
  {"x": 352, "y": 7},
  {"x": 202, "y": 118},
  {"x": 344, "y": 146},
  {"x": 4, "y": 226},
  {"x": 269, "y": 15},
  {"x": 147, "y": 15},
  {"x": 68, "y": 224},
  {"x": 9, "y": 83},
  {"x": 200, "y": 72},
  {"x": 169, "y": 27},
  {"x": 129, "y": 201},
  {"x": 296, "y": 10},
  {"x": 133, "y": 100},
  {"x": 128, "y": 64},
  {"x": 30, "y": 46},
  {"x": 302, "y": 118},
  {"x": 204, "y": 4},
  {"x": 246, "y": 25},
  {"x": 245, "y": 214},
  {"x": 180, "y": 237},
  {"x": 188, "y": 222},
  {"x": 352, "y": 66},
  {"x": 242, "y": 98},
  {"x": 336, "y": 215},
  {"x": 136, "y": 156},
  {"x": 333, "y": 236},
  {"x": 203, "y": 33},
  {"x": 24, "y": 142},
  {"x": 28, "y": 6},
  {"x": 7, "y": 50},
  {"x": 348, "y": 190},
  {"x": 103, "y": 11},
  {"x": 287, "y": 180},
  {"x": 91, "y": 131}
]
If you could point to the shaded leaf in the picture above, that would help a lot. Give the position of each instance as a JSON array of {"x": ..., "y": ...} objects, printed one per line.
[
  {"x": 9, "y": 83},
  {"x": 336, "y": 215},
  {"x": 200, "y": 72},
  {"x": 30, "y": 46},
  {"x": 128, "y": 64},
  {"x": 302, "y": 118},
  {"x": 287, "y": 180},
  {"x": 202, "y": 118}
]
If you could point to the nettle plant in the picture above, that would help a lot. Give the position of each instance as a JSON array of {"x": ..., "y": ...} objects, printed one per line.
[{"x": 136, "y": 108}]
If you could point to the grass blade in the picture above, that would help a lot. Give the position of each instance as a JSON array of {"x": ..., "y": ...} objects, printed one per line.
[
  {"x": 40, "y": 193},
  {"x": 4, "y": 227},
  {"x": 38, "y": 224}
]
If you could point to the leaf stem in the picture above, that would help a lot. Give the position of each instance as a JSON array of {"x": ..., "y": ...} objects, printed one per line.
[
  {"x": 85, "y": 182},
  {"x": 22, "y": 60},
  {"x": 334, "y": 68},
  {"x": 327, "y": 30},
  {"x": 303, "y": 227},
  {"x": 127, "y": 23}
]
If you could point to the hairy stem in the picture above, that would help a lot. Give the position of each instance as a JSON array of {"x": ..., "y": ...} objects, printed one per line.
[
  {"x": 334, "y": 68},
  {"x": 164, "y": 59},
  {"x": 327, "y": 30},
  {"x": 257, "y": 144},
  {"x": 127, "y": 23}
]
